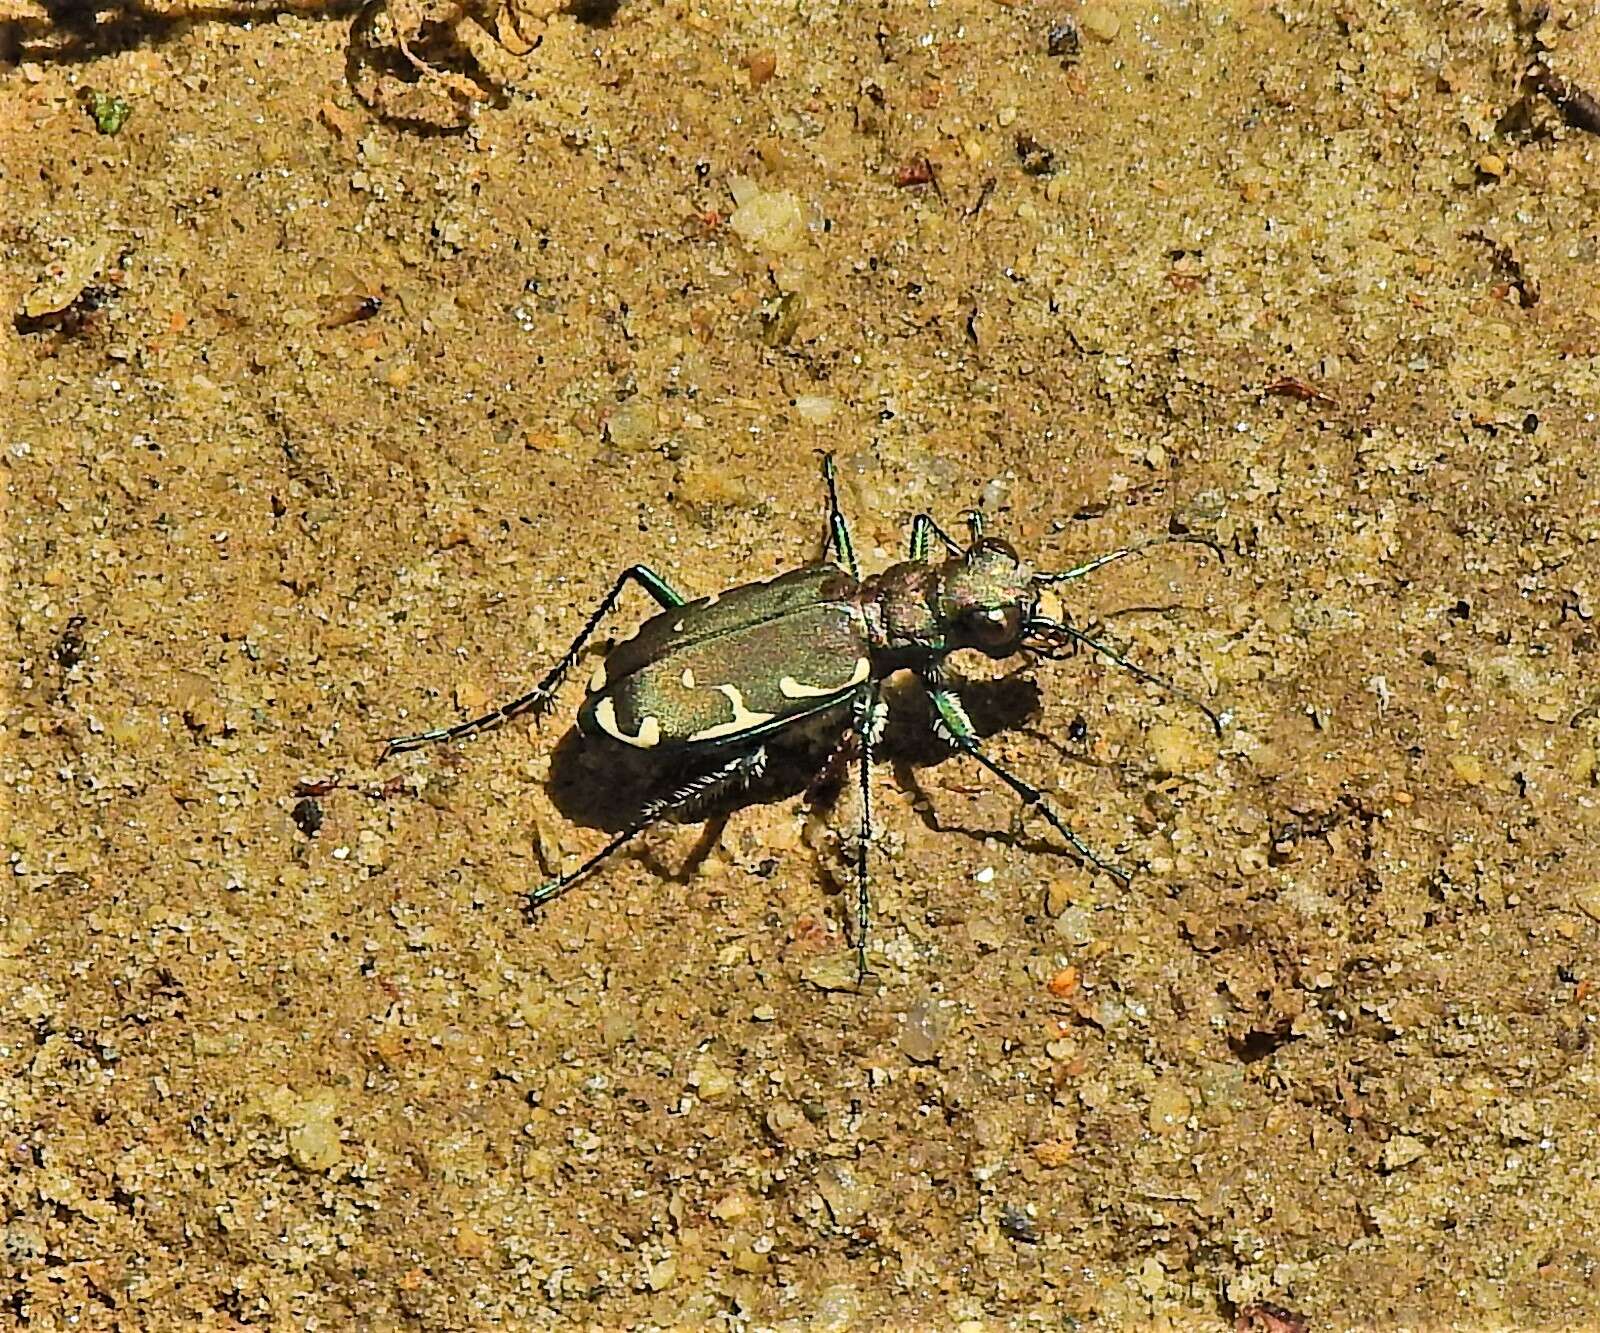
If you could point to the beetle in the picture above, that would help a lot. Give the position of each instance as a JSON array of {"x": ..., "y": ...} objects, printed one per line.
[{"x": 710, "y": 681}]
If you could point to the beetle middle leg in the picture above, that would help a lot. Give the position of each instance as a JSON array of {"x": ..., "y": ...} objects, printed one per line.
[
  {"x": 952, "y": 722},
  {"x": 739, "y": 771},
  {"x": 538, "y": 698},
  {"x": 826, "y": 781},
  {"x": 868, "y": 717}
]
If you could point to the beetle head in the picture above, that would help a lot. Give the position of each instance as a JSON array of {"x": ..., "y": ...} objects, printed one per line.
[{"x": 988, "y": 599}]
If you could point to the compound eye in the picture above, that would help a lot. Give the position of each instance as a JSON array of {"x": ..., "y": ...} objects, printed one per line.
[{"x": 995, "y": 627}]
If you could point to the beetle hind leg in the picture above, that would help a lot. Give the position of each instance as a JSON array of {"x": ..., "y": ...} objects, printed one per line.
[
  {"x": 739, "y": 771},
  {"x": 538, "y": 699}
]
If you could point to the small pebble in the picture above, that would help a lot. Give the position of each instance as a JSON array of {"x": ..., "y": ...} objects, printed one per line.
[
  {"x": 731, "y": 1207},
  {"x": 815, "y": 408},
  {"x": 761, "y": 66},
  {"x": 1018, "y": 1225},
  {"x": 784, "y": 1119},
  {"x": 1401, "y": 1151},
  {"x": 632, "y": 426},
  {"x": 66, "y": 280},
  {"x": 1100, "y": 21},
  {"x": 1064, "y": 40},
  {"x": 773, "y": 223},
  {"x": 927, "y": 1024},
  {"x": 1169, "y": 1108},
  {"x": 314, "y": 1143},
  {"x": 1251, "y": 860},
  {"x": 1062, "y": 892},
  {"x": 1063, "y": 983},
  {"x": 1174, "y": 749},
  {"x": 1053, "y": 1153},
  {"x": 307, "y": 816},
  {"x": 708, "y": 1079},
  {"x": 833, "y": 972},
  {"x": 842, "y": 1192}
]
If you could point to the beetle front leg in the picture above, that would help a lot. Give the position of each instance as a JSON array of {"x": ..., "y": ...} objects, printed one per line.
[
  {"x": 953, "y": 724},
  {"x": 538, "y": 698}
]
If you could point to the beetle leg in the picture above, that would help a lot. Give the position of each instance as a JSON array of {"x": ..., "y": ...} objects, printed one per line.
[
  {"x": 924, "y": 528},
  {"x": 538, "y": 698},
  {"x": 836, "y": 542},
  {"x": 736, "y": 772},
  {"x": 953, "y": 724},
  {"x": 826, "y": 780},
  {"x": 869, "y": 715}
]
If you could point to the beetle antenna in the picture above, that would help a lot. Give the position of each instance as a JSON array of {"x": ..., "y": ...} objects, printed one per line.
[
  {"x": 1138, "y": 548},
  {"x": 1054, "y": 629}
]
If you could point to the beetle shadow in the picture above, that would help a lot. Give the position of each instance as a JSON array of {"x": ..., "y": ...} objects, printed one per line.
[
  {"x": 596, "y": 783},
  {"x": 78, "y": 31},
  {"x": 995, "y": 707}
]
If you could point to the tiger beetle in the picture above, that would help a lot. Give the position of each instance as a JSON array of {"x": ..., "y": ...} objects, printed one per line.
[{"x": 709, "y": 681}]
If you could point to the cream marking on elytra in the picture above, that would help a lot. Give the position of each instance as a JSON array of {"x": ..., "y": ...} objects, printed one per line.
[
  {"x": 649, "y": 734},
  {"x": 597, "y": 682},
  {"x": 791, "y": 688},
  {"x": 687, "y": 678},
  {"x": 677, "y": 627},
  {"x": 743, "y": 718}
]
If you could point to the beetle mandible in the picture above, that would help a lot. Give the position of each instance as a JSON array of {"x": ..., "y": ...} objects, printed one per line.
[{"x": 716, "y": 677}]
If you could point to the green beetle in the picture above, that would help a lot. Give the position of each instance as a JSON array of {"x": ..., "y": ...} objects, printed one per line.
[{"x": 714, "y": 678}]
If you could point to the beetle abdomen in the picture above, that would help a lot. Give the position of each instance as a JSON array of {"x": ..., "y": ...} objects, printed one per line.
[{"x": 734, "y": 667}]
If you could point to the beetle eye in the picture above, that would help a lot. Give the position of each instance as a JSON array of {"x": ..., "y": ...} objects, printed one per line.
[{"x": 995, "y": 627}]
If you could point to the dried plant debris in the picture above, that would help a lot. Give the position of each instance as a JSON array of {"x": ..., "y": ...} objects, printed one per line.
[
  {"x": 1566, "y": 69},
  {"x": 426, "y": 64},
  {"x": 1506, "y": 262},
  {"x": 71, "y": 289}
]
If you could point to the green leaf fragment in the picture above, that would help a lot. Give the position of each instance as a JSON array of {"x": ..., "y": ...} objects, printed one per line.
[{"x": 110, "y": 112}]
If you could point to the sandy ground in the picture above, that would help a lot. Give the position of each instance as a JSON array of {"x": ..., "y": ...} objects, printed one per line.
[{"x": 320, "y": 424}]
